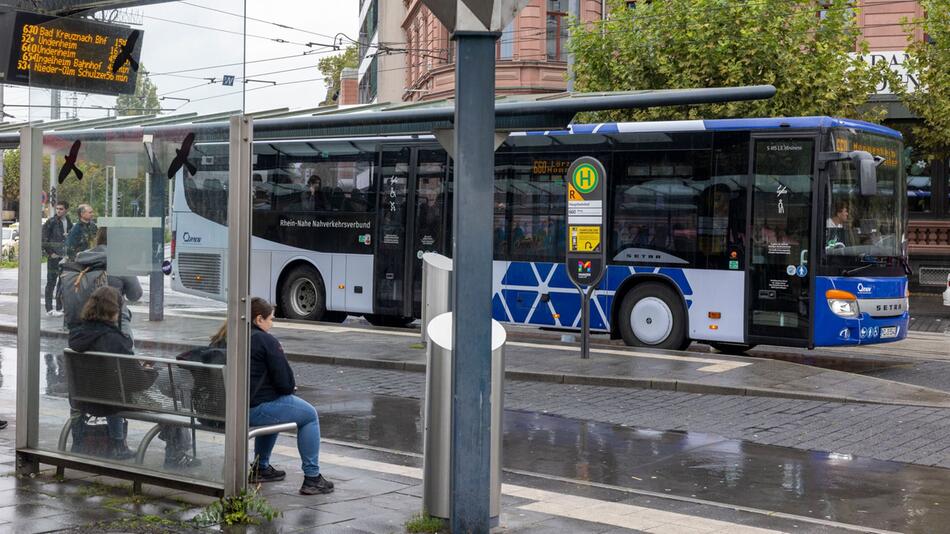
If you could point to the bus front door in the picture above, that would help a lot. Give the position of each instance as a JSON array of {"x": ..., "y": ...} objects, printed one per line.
[
  {"x": 779, "y": 281},
  {"x": 427, "y": 223}
]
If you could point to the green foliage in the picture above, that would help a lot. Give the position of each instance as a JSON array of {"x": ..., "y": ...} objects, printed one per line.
[
  {"x": 248, "y": 508},
  {"x": 331, "y": 67},
  {"x": 143, "y": 102},
  {"x": 929, "y": 63},
  {"x": 11, "y": 177},
  {"x": 676, "y": 44},
  {"x": 426, "y": 523}
]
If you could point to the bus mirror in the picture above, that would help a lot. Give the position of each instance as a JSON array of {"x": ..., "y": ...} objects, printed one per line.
[{"x": 867, "y": 171}]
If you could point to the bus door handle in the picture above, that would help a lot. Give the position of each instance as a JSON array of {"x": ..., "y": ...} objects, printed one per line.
[{"x": 803, "y": 259}]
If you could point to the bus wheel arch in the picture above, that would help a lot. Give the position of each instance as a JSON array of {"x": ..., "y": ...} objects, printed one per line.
[
  {"x": 301, "y": 292},
  {"x": 651, "y": 293}
]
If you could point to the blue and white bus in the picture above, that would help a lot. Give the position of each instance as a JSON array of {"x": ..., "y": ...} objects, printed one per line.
[{"x": 785, "y": 231}]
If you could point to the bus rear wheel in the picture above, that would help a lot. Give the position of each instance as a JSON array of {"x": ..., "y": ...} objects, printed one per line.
[
  {"x": 302, "y": 295},
  {"x": 651, "y": 315},
  {"x": 394, "y": 321}
]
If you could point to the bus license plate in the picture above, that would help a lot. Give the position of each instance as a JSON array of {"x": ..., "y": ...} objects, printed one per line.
[{"x": 888, "y": 331}]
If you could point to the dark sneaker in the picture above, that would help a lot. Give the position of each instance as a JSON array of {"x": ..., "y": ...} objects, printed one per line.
[
  {"x": 265, "y": 474},
  {"x": 316, "y": 485},
  {"x": 182, "y": 462}
]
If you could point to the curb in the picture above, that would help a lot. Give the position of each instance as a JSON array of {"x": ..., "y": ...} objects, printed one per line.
[{"x": 682, "y": 386}]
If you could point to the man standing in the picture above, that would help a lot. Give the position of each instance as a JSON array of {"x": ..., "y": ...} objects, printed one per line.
[
  {"x": 55, "y": 230},
  {"x": 83, "y": 234}
]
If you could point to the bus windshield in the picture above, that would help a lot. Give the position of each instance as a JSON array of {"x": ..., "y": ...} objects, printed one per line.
[{"x": 863, "y": 230}]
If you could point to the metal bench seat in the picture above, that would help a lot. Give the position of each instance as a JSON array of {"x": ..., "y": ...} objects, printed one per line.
[{"x": 109, "y": 380}]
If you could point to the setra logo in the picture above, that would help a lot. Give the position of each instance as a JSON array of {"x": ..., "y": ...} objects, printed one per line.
[{"x": 188, "y": 238}]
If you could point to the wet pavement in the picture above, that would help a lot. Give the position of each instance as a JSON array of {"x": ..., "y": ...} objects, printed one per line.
[{"x": 695, "y": 372}]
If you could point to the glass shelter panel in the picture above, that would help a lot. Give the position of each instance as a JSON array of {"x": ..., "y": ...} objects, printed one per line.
[{"x": 125, "y": 373}]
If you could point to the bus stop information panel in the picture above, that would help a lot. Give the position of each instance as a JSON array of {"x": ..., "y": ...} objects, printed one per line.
[{"x": 66, "y": 53}]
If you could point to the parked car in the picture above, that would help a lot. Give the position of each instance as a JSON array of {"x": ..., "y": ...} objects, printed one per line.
[{"x": 11, "y": 242}]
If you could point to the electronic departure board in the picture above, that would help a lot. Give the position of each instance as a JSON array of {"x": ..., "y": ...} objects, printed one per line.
[{"x": 70, "y": 54}]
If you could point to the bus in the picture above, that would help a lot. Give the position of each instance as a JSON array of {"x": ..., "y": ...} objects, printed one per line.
[{"x": 780, "y": 231}]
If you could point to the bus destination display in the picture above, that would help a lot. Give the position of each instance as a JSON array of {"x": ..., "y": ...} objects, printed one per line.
[{"x": 73, "y": 54}]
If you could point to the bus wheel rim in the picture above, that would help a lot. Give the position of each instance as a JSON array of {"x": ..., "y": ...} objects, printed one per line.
[
  {"x": 303, "y": 297},
  {"x": 651, "y": 320}
]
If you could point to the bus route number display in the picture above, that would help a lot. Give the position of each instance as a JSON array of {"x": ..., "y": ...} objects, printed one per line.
[
  {"x": 73, "y": 54},
  {"x": 586, "y": 249}
]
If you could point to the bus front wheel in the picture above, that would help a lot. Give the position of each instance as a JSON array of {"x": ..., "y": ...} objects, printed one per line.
[
  {"x": 651, "y": 315},
  {"x": 302, "y": 295}
]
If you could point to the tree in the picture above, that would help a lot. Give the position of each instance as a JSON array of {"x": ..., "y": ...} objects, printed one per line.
[
  {"x": 332, "y": 67},
  {"x": 144, "y": 101},
  {"x": 927, "y": 62},
  {"x": 811, "y": 55},
  {"x": 11, "y": 178}
]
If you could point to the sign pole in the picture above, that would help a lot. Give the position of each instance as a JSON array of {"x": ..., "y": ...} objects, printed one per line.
[{"x": 586, "y": 256}]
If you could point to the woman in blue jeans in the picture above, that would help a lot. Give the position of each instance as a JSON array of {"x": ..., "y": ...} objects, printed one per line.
[{"x": 272, "y": 401}]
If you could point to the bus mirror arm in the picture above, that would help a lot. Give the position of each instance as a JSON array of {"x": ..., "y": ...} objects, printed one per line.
[{"x": 866, "y": 163}]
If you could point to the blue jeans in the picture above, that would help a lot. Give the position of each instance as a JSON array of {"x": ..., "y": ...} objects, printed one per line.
[{"x": 288, "y": 409}]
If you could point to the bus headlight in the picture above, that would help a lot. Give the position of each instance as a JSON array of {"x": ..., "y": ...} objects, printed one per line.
[{"x": 842, "y": 303}]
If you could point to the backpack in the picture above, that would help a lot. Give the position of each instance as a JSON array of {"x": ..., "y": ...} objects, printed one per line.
[
  {"x": 206, "y": 398},
  {"x": 77, "y": 283}
]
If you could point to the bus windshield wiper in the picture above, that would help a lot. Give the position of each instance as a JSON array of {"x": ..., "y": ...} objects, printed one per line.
[{"x": 870, "y": 262}]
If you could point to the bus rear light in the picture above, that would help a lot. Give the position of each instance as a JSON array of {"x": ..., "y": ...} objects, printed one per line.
[
  {"x": 174, "y": 240},
  {"x": 715, "y": 315},
  {"x": 842, "y": 303}
]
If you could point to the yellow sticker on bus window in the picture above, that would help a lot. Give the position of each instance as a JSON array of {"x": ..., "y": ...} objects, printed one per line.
[{"x": 584, "y": 238}]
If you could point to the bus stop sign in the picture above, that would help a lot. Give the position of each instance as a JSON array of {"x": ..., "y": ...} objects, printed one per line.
[{"x": 586, "y": 249}]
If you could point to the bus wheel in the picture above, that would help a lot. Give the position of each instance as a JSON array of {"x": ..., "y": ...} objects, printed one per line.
[
  {"x": 388, "y": 320},
  {"x": 302, "y": 296},
  {"x": 651, "y": 315},
  {"x": 730, "y": 348}
]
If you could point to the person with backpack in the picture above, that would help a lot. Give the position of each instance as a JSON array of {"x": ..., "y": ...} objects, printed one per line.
[
  {"x": 55, "y": 230},
  {"x": 99, "y": 332},
  {"x": 83, "y": 234},
  {"x": 272, "y": 401},
  {"x": 89, "y": 272}
]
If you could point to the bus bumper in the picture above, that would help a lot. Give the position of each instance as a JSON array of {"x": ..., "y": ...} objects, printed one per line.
[{"x": 865, "y": 329}]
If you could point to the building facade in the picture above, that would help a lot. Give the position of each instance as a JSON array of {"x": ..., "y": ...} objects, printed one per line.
[
  {"x": 381, "y": 51},
  {"x": 928, "y": 190}
]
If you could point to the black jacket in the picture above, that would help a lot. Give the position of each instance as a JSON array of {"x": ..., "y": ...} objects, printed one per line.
[
  {"x": 269, "y": 368},
  {"x": 95, "y": 336},
  {"x": 54, "y": 238}
]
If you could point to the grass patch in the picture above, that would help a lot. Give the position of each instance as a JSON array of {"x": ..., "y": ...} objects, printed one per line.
[
  {"x": 248, "y": 508},
  {"x": 426, "y": 523}
]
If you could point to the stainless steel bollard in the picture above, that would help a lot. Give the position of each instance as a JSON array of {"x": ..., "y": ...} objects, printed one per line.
[
  {"x": 437, "y": 439},
  {"x": 436, "y": 288}
]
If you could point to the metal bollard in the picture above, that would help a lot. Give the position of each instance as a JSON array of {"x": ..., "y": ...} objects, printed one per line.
[
  {"x": 436, "y": 288},
  {"x": 437, "y": 439}
]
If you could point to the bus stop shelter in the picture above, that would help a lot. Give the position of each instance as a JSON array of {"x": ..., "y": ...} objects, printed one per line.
[{"x": 96, "y": 162}]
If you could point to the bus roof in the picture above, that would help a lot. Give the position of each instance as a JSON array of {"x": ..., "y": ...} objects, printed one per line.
[{"x": 725, "y": 125}]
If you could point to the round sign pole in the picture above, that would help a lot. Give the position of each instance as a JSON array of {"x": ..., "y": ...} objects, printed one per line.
[{"x": 586, "y": 256}]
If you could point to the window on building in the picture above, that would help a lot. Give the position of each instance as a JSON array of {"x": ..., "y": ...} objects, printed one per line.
[
  {"x": 506, "y": 45},
  {"x": 557, "y": 30}
]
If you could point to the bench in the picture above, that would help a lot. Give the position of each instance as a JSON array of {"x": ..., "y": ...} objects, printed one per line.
[{"x": 172, "y": 400}]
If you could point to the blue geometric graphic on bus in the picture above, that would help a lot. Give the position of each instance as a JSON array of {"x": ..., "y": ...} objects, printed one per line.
[{"x": 523, "y": 284}]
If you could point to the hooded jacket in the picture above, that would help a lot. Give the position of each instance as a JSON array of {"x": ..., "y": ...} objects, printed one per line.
[
  {"x": 128, "y": 286},
  {"x": 97, "y": 336}
]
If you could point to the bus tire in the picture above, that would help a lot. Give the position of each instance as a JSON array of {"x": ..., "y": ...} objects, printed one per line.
[
  {"x": 652, "y": 315},
  {"x": 394, "y": 321},
  {"x": 302, "y": 295},
  {"x": 731, "y": 348}
]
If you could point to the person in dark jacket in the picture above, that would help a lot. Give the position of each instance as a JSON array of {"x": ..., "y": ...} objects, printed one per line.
[
  {"x": 83, "y": 233},
  {"x": 272, "y": 401},
  {"x": 128, "y": 286},
  {"x": 55, "y": 230},
  {"x": 99, "y": 332}
]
